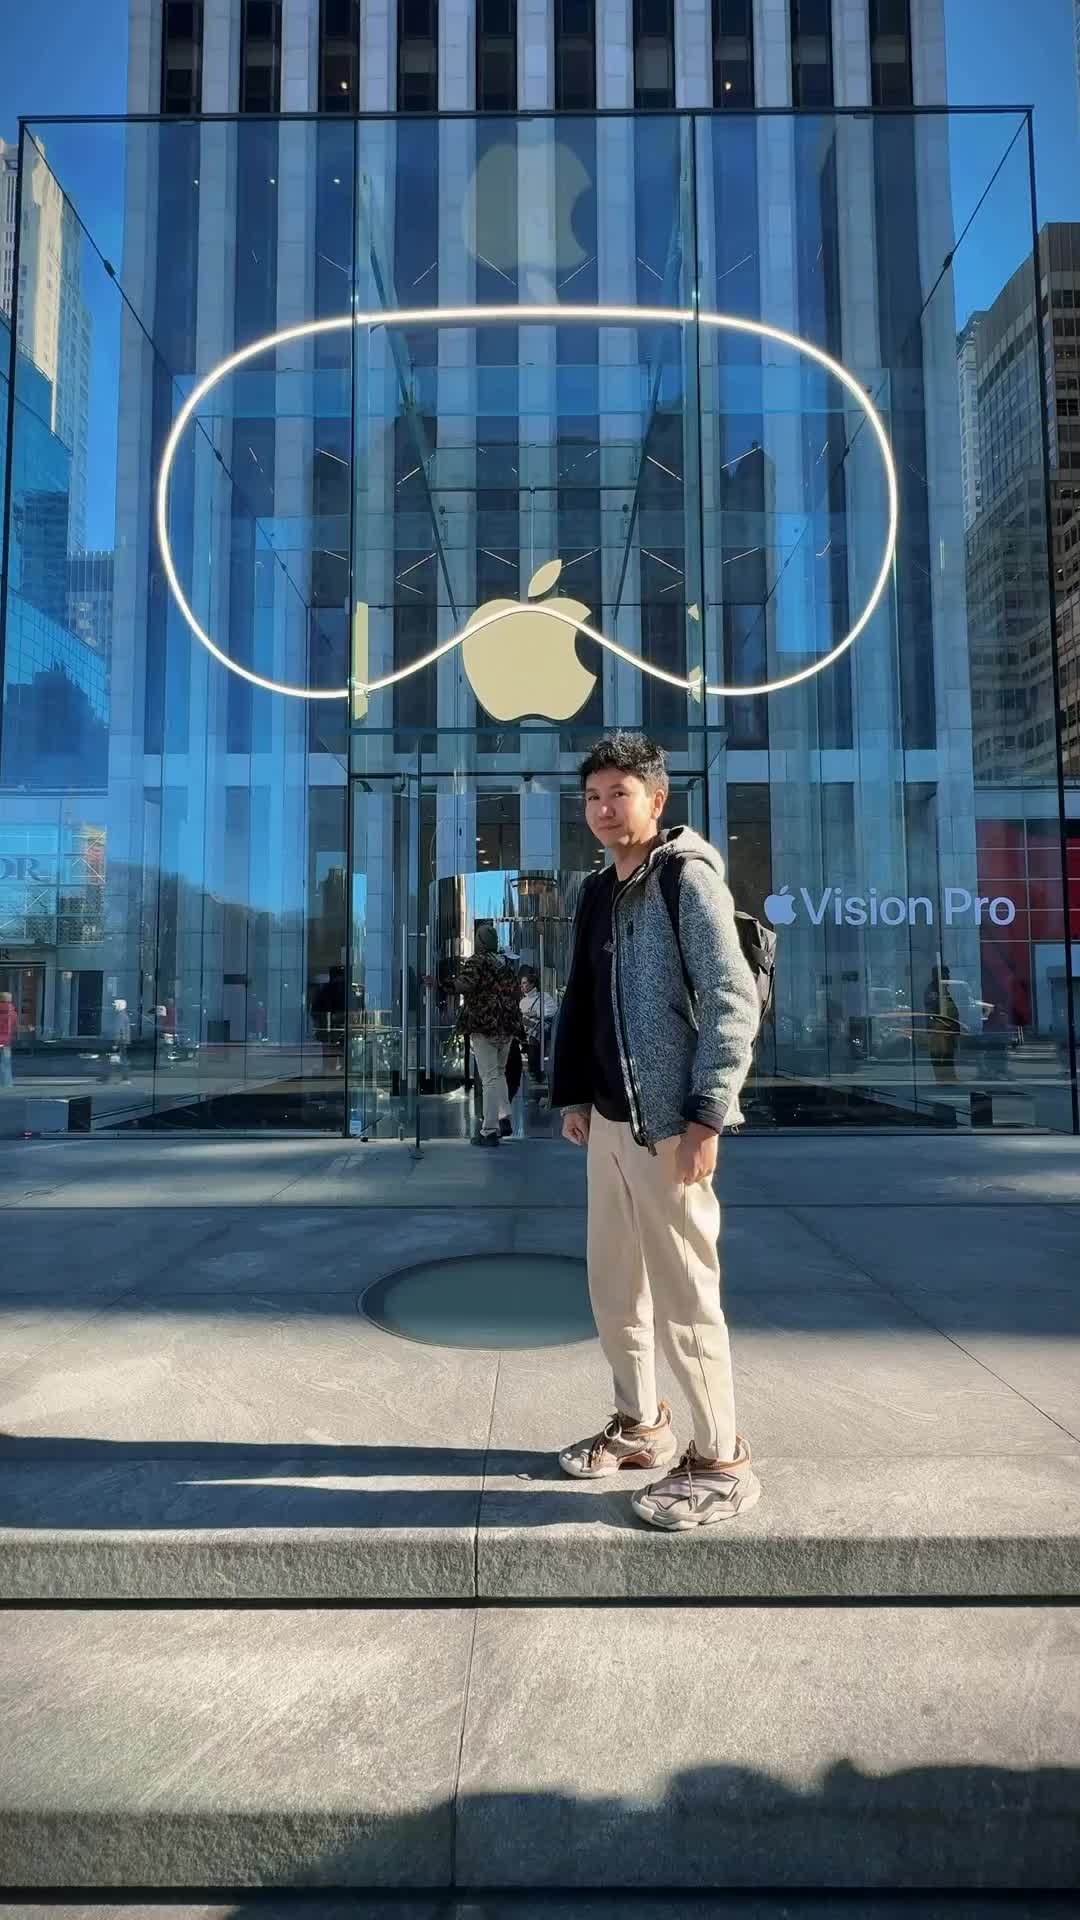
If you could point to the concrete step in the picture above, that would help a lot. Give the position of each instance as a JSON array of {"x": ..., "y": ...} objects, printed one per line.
[
  {"x": 385, "y": 1525},
  {"x": 576, "y": 1906},
  {"x": 870, "y": 1748}
]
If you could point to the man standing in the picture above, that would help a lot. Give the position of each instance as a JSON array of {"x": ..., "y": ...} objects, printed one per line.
[
  {"x": 491, "y": 1016},
  {"x": 653, "y": 1044}
]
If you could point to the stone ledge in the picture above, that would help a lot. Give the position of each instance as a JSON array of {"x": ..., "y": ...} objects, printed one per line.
[
  {"x": 874, "y": 1529},
  {"x": 871, "y": 1748},
  {"x": 879, "y": 1528},
  {"x": 578, "y": 1906}
]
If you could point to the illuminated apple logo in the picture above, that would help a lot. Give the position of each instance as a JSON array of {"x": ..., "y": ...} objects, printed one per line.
[
  {"x": 524, "y": 662},
  {"x": 780, "y": 908}
]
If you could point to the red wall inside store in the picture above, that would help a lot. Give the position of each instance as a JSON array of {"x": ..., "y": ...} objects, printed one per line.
[{"x": 1023, "y": 861}]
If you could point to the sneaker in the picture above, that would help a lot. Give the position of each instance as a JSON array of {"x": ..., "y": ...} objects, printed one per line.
[
  {"x": 506, "y": 1128},
  {"x": 621, "y": 1444},
  {"x": 696, "y": 1496},
  {"x": 486, "y": 1140}
]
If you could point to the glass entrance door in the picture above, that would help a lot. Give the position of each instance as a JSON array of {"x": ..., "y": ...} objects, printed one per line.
[
  {"x": 532, "y": 914},
  {"x": 435, "y": 851},
  {"x": 370, "y": 1029}
]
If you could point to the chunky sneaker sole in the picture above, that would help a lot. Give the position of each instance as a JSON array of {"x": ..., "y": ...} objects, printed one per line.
[
  {"x": 691, "y": 1497},
  {"x": 619, "y": 1448}
]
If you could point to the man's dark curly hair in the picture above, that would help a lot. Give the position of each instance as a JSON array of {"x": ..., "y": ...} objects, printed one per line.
[{"x": 628, "y": 753}]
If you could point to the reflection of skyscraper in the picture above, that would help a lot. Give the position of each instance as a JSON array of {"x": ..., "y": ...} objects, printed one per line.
[
  {"x": 55, "y": 719},
  {"x": 90, "y": 599},
  {"x": 970, "y": 461},
  {"x": 54, "y": 324},
  {"x": 1008, "y": 596}
]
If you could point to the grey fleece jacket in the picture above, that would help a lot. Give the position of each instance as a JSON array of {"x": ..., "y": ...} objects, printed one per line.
[{"x": 683, "y": 1058}]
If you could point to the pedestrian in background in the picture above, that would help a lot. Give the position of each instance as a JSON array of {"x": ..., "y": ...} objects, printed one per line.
[
  {"x": 9, "y": 1021},
  {"x": 491, "y": 1018}
]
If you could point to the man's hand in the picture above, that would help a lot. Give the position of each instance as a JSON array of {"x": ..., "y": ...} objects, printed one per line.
[
  {"x": 695, "y": 1155},
  {"x": 575, "y": 1128}
]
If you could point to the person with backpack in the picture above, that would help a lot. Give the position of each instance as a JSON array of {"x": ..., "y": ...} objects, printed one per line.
[
  {"x": 654, "y": 1042},
  {"x": 491, "y": 1017}
]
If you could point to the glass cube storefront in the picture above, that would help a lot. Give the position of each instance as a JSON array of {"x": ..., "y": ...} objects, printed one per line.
[{"x": 359, "y": 473}]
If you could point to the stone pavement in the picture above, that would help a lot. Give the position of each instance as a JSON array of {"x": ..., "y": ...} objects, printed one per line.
[
  {"x": 191, "y": 1403},
  {"x": 465, "y": 1671}
]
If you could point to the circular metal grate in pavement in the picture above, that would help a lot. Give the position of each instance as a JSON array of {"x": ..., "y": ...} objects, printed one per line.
[{"x": 485, "y": 1300}]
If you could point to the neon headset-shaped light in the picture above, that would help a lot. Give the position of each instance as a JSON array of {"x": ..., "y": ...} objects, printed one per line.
[{"x": 529, "y": 316}]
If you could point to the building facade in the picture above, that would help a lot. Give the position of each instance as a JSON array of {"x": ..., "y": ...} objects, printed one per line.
[{"x": 282, "y": 870}]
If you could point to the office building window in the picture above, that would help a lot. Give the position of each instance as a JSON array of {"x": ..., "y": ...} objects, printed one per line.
[
  {"x": 496, "y": 55},
  {"x": 418, "y": 56},
  {"x": 811, "y": 53},
  {"x": 181, "y": 56},
  {"x": 339, "y": 56},
  {"x": 733, "y": 53},
  {"x": 654, "y": 53},
  {"x": 575, "y": 55},
  {"x": 260, "y": 57},
  {"x": 890, "y": 53}
]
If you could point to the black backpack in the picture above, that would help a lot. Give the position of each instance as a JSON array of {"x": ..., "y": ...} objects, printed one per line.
[{"x": 757, "y": 942}]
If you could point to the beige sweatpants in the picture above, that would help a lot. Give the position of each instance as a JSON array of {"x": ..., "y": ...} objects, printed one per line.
[
  {"x": 653, "y": 1264},
  {"x": 491, "y": 1057}
]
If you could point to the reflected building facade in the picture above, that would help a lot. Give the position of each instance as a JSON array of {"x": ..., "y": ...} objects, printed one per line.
[{"x": 346, "y": 503}]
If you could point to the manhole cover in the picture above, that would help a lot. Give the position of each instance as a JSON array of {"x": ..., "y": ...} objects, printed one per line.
[{"x": 485, "y": 1300}]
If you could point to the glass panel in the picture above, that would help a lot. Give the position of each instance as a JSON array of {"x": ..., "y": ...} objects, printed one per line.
[
  {"x": 667, "y": 522},
  {"x": 733, "y": 53},
  {"x": 811, "y": 53},
  {"x": 339, "y": 56},
  {"x": 575, "y": 55},
  {"x": 181, "y": 56},
  {"x": 260, "y": 57}
]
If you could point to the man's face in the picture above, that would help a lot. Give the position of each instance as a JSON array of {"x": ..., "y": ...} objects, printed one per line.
[{"x": 620, "y": 810}]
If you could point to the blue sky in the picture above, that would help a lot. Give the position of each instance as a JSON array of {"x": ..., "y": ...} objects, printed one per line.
[{"x": 68, "y": 57}]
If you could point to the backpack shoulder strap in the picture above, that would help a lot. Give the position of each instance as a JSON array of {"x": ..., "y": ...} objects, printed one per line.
[{"x": 670, "y": 887}]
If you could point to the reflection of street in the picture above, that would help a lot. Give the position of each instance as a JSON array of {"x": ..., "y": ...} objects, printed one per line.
[
  {"x": 210, "y": 1072},
  {"x": 1019, "y": 1086},
  {"x": 1028, "y": 1087}
]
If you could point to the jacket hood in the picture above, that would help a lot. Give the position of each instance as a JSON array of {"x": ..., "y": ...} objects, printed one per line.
[{"x": 682, "y": 843}]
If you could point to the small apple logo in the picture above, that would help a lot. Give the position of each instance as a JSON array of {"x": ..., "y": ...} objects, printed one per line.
[
  {"x": 780, "y": 908},
  {"x": 524, "y": 663}
]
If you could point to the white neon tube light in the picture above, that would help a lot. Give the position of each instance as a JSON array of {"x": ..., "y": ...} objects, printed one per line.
[{"x": 530, "y": 316}]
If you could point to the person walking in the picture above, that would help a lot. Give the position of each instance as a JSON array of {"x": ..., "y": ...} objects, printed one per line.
[
  {"x": 654, "y": 1041},
  {"x": 9, "y": 1021},
  {"x": 491, "y": 1017}
]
